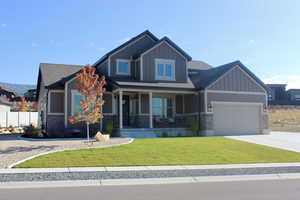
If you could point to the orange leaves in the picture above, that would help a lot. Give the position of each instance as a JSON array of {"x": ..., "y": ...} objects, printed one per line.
[{"x": 91, "y": 86}]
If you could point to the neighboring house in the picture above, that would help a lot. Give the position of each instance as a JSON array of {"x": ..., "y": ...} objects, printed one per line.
[
  {"x": 5, "y": 106},
  {"x": 161, "y": 90},
  {"x": 278, "y": 95}
]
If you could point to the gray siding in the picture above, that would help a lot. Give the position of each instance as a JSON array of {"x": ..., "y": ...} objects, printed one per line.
[
  {"x": 236, "y": 80},
  {"x": 107, "y": 107},
  {"x": 164, "y": 51},
  {"x": 292, "y": 94},
  {"x": 129, "y": 51},
  {"x": 190, "y": 103},
  {"x": 227, "y": 97},
  {"x": 103, "y": 68},
  {"x": 144, "y": 103},
  {"x": 57, "y": 102}
]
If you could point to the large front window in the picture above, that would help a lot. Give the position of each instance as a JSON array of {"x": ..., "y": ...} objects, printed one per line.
[
  {"x": 123, "y": 67},
  {"x": 76, "y": 97},
  {"x": 162, "y": 107},
  {"x": 165, "y": 69}
]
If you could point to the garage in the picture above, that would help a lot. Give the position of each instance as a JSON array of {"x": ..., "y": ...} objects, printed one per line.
[{"x": 237, "y": 118}]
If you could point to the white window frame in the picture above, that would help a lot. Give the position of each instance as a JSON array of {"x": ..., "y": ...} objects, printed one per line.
[
  {"x": 129, "y": 66},
  {"x": 73, "y": 92},
  {"x": 164, "y": 62},
  {"x": 172, "y": 97}
]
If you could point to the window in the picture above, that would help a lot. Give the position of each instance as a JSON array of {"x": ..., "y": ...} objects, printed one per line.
[
  {"x": 270, "y": 97},
  {"x": 123, "y": 67},
  {"x": 165, "y": 69},
  {"x": 297, "y": 97},
  {"x": 76, "y": 97},
  {"x": 162, "y": 107}
]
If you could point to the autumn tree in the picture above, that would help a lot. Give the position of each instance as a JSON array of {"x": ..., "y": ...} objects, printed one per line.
[
  {"x": 23, "y": 104},
  {"x": 91, "y": 86}
]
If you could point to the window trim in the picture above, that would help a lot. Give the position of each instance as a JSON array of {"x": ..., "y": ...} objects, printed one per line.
[
  {"x": 164, "y": 61},
  {"x": 129, "y": 67}
]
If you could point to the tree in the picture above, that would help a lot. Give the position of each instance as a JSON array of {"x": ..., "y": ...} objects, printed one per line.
[
  {"x": 91, "y": 86},
  {"x": 23, "y": 105}
]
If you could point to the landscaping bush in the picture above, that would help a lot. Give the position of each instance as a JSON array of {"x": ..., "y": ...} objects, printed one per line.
[
  {"x": 32, "y": 131},
  {"x": 164, "y": 134},
  {"x": 195, "y": 129},
  {"x": 109, "y": 128}
]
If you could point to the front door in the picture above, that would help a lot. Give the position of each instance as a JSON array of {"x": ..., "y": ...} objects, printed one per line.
[{"x": 126, "y": 109}]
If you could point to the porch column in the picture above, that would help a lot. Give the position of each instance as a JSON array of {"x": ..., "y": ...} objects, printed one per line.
[
  {"x": 140, "y": 104},
  {"x": 150, "y": 111},
  {"x": 120, "y": 109}
]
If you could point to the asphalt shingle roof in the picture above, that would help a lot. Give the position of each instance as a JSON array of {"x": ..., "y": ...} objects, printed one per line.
[{"x": 53, "y": 73}]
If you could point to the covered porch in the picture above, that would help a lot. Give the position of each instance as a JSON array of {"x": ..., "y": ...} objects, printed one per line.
[{"x": 155, "y": 109}]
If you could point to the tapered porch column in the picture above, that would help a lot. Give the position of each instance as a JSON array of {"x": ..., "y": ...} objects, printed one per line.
[
  {"x": 150, "y": 111},
  {"x": 121, "y": 109}
]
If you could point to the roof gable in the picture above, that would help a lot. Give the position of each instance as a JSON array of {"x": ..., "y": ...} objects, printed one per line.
[
  {"x": 171, "y": 44},
  {"x": 203, "y": 79},
  {"x": 147, "y": 33}
]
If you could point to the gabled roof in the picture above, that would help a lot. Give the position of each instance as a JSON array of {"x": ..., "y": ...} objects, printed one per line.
[
  {"x": 197, "y": 64},
  {"x": 170, "y": 42},
  {"x": 204, "y": 78},
  {"x": 53, "y": 73},
  {"x": 147, "y": 32}
]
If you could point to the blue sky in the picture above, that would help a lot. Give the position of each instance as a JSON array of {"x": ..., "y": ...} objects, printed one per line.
[{"x": 263, "y": 34}]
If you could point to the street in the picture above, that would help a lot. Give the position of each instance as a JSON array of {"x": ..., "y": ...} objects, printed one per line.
[{"x": 241, "y": 190}]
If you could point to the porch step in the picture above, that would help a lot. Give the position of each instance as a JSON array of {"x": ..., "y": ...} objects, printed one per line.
[{"x": 138, "y": 133}]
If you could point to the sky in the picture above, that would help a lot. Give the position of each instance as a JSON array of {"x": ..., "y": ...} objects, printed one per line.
[{"x": 262, "y": 34}]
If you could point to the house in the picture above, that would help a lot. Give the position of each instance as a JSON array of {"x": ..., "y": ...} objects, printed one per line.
[
  {"x": 278, "y": 95},
  {"x": 5, "y": 106},
  {"x": 154, "y": 87}
]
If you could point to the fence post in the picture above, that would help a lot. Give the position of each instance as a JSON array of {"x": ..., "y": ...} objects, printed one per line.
[
  {"x": 29, "y": 118},
  {"x": 18, "y": 119},
  {"x": 6, "y": 119}
]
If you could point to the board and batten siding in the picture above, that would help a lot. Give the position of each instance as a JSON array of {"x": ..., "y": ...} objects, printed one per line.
[
  {"x": 236, "y": 80},
  {"x": 136, "y": 47},
  {"x": 234, "y": 97},
  {"x": 164, "y": 51},
  {"x": 103, "y": 68}
]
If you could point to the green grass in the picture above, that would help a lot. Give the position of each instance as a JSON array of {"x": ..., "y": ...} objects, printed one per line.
[{"x": 167, "y": 151}]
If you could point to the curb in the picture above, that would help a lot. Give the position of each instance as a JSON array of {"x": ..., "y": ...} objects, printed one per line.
[
  {"x": 142, "y": 168},
  {"x": 147, "y": 181},
  {"x": 48, "y": 152}
]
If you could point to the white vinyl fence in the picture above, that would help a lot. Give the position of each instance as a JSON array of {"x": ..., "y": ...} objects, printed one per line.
[{"x": 17, "y": 119}]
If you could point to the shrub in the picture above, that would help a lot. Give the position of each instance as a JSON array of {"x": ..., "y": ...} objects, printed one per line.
[
  {"x": 164, "y": 134},
  {"x": 195, "y": 129},
  {"x": 32, "y": 132},
  {"x": 109, "y": 127}
]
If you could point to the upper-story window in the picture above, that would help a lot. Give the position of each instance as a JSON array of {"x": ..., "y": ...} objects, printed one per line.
[
  {"x": 123, "y": 67},
  {"x": 297, "y": 97},
  {"x": 164, "y": 69}
]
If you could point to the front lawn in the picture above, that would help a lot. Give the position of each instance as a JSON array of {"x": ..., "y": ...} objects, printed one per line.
[{"x": 167, "y": 151}]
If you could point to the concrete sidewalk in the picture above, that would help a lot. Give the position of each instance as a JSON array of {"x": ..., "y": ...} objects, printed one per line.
[{"x": 144, "y": 172}]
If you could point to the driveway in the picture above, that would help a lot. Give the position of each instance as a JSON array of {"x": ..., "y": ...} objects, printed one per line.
[
  {"x": 13, "y": 148},
  {"x": 283, "y": 140}
]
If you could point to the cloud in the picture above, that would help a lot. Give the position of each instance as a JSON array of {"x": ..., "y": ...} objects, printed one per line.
[
  {"x": 292, "y": 81},
  {"x": 3, "y": 25}
]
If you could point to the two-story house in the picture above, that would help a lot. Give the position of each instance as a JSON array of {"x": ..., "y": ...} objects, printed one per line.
[{"x": 154, "y": 86}]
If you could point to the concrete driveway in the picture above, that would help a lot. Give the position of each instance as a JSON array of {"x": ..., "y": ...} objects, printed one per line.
[{"x": 283, "y": 140}]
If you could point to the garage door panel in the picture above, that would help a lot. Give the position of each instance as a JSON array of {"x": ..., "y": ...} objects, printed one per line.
[{"x": 236, "y": 119}]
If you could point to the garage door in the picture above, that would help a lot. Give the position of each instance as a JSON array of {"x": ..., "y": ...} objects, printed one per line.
[{"x": 236, "y": 119}]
